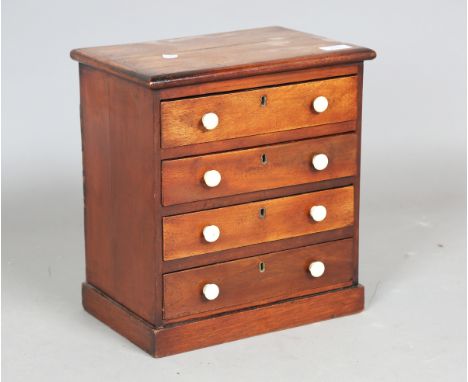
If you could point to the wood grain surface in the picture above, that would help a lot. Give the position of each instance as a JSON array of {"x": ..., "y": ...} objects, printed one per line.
[
  {"x": 144, "y": 155},
  {"x": 257, "y": 169},
  {"x": 182, "y": 337},
  {"x": 242, "y": 114},
  {"x": 243, "y": 283},
  {"x": 241, "y": 225},
  {"x": 185, "y": 263},
  {"x": 218, "y": 56},
  {"x": 251, "y": 322},
  {"x": 119, "y": 167},
  {"x": 118, "y": 317},
  {"x": 259, "y": 81},
  {"x": 258, "y": 140}
]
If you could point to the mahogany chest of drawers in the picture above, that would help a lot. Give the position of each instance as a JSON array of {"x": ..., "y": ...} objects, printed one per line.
[{"x": 221, "y": 185}]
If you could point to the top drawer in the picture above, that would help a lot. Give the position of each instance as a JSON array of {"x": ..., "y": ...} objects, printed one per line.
[{"x": 245, "y": 113}]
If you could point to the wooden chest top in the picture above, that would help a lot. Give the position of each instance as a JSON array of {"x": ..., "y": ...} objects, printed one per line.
[{"x": 190, "y": 60}]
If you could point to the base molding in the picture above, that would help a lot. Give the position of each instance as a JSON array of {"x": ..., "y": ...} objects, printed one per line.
[{"x": 186, "y": 336}]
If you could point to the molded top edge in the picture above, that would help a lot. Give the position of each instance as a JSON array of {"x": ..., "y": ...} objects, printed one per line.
[{"x": 189, "y": 60}]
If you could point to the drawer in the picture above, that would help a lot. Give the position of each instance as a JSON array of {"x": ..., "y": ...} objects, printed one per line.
[
  {"x": 252, "y": 223},
  {"x": 266, "y": 110},
  {"x": 258, "y": 280},
  {"x": 241, "y": 171}
]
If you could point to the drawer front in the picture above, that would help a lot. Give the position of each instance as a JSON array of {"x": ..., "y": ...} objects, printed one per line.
[
  {"x": 258, "y": 280},
  {"x": 238, "y": 226},
  {"x": 282, "y": 165},
  {"x": 258, "y": 111}
]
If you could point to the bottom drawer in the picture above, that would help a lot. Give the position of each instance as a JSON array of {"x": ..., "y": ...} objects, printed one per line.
[{"x": 257, "y": 280}]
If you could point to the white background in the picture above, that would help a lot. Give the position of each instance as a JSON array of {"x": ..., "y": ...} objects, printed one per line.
[{"x": 413, "y": 217}]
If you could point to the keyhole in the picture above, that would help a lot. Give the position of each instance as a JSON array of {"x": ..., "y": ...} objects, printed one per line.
[
  {"x": 261, "y": 267},
  {"x": 262, "y": 213},
  {"x": 263, "y": 101},
  {"x": 263, "y": 159}
]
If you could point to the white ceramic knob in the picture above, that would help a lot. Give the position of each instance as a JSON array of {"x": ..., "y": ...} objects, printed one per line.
[
  {"x": 317, "y": 268},
  {"x": 320, "y": 104},
  {"x": 210, "y": 121},
  {"x": 211, "y": 291},
  {"x": 212, "y": 178},
  {"x": 211, "y": 233},
  {"x": 320, "y": 162},
  {"x": 318, "y": 213}
]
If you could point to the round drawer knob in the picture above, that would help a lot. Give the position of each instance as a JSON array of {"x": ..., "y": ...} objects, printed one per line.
[
  {"x": 210, "y": 121},
  {"x": 212, "y": 178},
  {"x": 211, "y": 233},
  {"x": 317, "y": 268},
  {"x": 320, "y": 104},
  {"x": 320, "y": 162},
  {"x": 318, "y": 213},
  {"x": 210, "y": 291}
]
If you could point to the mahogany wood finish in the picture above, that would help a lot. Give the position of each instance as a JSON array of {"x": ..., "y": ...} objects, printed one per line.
[
  {"x": 256, "y": 249},
  {"x": 243, "y": 225},
  {"x": 218, "y": 329},
  {"x": 219, "y": 56},
  {"x": 258, "y": 280},
  {"x": 273, "y": 193},
  {"x": 258, "y": 111},
  {"x": 259, "y": 81},
  {"x": 118, "y": 317},
  {"x": 258, "y": 140},
  {"x": 144, "y": 156},
  {"x": 120, "y": 227},
  {"x": 257, "y": 169}
]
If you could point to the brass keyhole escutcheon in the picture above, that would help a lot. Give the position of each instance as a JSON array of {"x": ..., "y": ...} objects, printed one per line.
[
  {"x": 261, "y": 267},
  {"x": 262, "y": 213},
  {"x": 263, "y": 159},
  {"x": 263, "y": 101}
]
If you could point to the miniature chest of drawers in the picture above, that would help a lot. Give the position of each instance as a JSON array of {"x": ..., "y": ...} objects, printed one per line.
[{"x": 221, "y": 185}]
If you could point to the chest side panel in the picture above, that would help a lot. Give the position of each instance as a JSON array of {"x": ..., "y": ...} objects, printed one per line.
[{"x": 117, "y": 133}]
